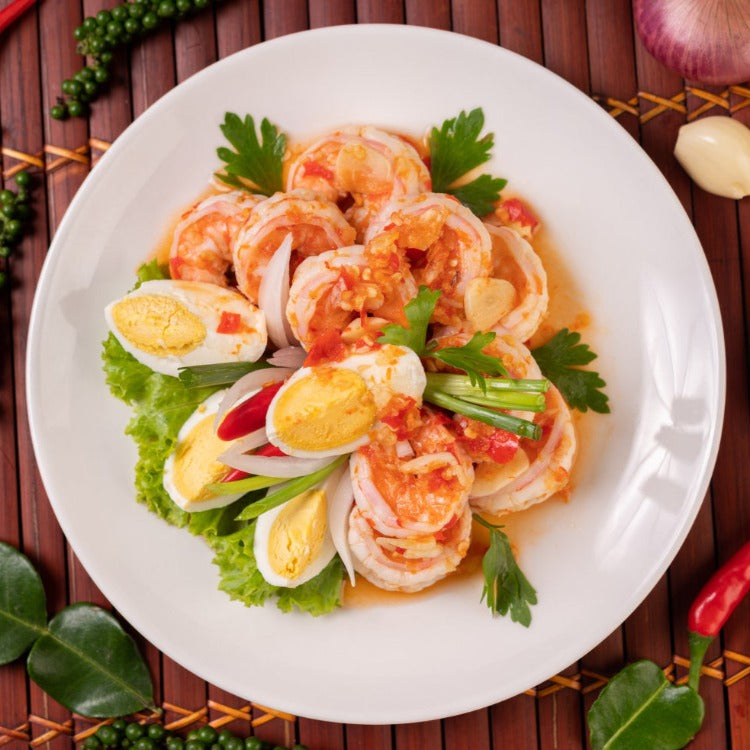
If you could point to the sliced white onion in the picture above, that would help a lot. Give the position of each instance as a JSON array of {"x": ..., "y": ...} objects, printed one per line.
[
  {"x": 404, "y": 449},
  {"x": 253, "y": 381},
  {"x": 339, "y": 507},
  {"x": 274, "y": 293},
  {"x": 283, "y": 467},
  {"x": 289, "y": 356},
  {"x": 427, "y": 463},
  {"x": 242, "y": 446}
]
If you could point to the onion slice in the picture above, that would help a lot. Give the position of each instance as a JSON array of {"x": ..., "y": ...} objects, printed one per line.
[
  {"x": 289, "y": 356},
  {"x": 274, "y": 293},
  {"x": 243, "y": 445},
  {"x": 282, "y": 467},
  {"x": 339, "y": 507},
  {"x": 246, "y": 385}
]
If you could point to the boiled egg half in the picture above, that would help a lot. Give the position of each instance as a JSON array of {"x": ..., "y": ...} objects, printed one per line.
[
  {"x": 194, "y": 464},
  {"x": 167, "y": 324},
  {"x": 330, "y": 409},
  {"x": 293, "y": 542}
]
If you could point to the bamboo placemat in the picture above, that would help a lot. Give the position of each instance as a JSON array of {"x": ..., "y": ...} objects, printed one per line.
[{"x": 592, "y": 44}]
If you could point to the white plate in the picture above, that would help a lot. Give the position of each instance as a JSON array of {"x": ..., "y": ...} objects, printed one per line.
[{"x": 646, "y": 467}]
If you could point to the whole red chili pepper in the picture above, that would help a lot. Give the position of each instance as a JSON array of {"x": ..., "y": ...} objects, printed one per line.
[
  {"x": 715, "y": 602},
  {"x": 249, "y": 416},
  {"x": 13, "y": 11}
]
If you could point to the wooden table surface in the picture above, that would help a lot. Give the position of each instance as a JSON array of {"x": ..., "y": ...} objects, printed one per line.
[{"x": 592, "y": 44}]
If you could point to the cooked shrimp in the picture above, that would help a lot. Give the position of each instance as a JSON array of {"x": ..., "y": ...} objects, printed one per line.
[
  {"x": 331, "y": 289},
  {"x": 408, "y": 564},
  {"x": 544, "y": 471},
  {"x": 315, "y": 225},
  {"x": 413, "y": 483},
  {"x": 364, "y": 164},
  {"x": 516, "y": 296},
  {"x": 202, "y": 241},
  {"x": 445, "y": 244}
]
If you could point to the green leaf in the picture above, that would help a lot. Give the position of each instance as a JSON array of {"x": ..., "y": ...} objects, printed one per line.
[
  {"x": 238, "y": 572},
  {"x": 456, "y": 148},
  {"x": 319, "y": 595},
  {"x": 418, "y": 312},
  {"x": 639, "y": 708},
  {"x": 558, "y": 358},
  {"x": 90, "y": 665},
  {"x": 220, "y": 521},
  {"x": 479, "y": 195},
  {"x": 471, "y": 359},
  {"x": 162, "y": 404},
  {"x": 506, "y": 588},
  {"x": 151, "y": 271},
  {"x": 255, "y": 165},
  {"x": 23, "y": 615}
]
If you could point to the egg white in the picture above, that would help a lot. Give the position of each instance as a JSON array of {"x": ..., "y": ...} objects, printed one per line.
[
  {"x": 263, "y": 526},
  {"x": 206, "y": 409},
  {"x": 388, "y": 371},
  {"x": 207, "y": 302}
]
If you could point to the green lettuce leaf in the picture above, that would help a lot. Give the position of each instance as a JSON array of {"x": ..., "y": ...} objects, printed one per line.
[
  {"x": 241, "y": 579},
  {"x": 161, "y": 404}
]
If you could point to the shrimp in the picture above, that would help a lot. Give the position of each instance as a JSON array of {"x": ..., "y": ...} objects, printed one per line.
[
  {"x": 516, "y": 296},
  {"x": 315, "y": 225},
  {"x": 446, "y": 245},
  {"x": 408, "y": 564},
  {"x": 544, "y": 470},
  {"x": 202, "y": 241},
  {"x": 362, "y": 164},
  {"x": 413, "y": 480},
  {"x": 330, "y": 290}
]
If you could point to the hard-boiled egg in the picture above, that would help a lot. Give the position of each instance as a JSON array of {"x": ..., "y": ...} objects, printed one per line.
[
  {"x": 329, "y": 409},
  {"x": 167, "y": 324},
  {"x": 193, "y": 463},
  {"x": 293, "y": 542}
]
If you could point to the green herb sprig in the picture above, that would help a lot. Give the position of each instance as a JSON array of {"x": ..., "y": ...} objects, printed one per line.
[
  {"x": 506, "y": 588},
  {"x": 256, "y": 164},
  {"x": 457, "y": 148},
  {"x": 99, "y": 37},
  {"x": 559, "y": 359},
  {"x": 82, "y": 657}
]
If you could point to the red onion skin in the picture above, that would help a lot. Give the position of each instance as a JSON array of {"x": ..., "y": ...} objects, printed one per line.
[{"x": 707, "y": 41}]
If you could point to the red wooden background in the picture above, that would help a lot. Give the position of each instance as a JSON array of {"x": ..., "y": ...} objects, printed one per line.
[{"x": 589, "y": 42}]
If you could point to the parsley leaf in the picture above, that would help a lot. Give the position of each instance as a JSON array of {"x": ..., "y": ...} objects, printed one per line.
[
  {"x": 255, "y": 165},
  {"x": 418, "y": 312},
  {"x": 480, "y": 195},
  {"x": 506, "y": 588},
  {"x": 472, "y": 360},
  {"x": 455, "y": 150},
  {"x": 580, "y": 388}
]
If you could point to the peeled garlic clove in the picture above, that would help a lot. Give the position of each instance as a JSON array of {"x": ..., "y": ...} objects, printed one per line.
[
  {"x": 486, "y": 301},
  {"x": 715, "y": 152}
]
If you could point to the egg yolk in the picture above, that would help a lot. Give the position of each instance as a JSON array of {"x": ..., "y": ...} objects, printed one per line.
[
  {"x": 195, "y": 463},
  {"x": 158, "y": 324},
  {"x": 328, "y": 408},
  {"x": 297, "y": 534}
]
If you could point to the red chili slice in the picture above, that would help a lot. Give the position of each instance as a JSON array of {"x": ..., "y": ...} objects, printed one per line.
[
  {"x": 269, "y": 450},
  {"x": 249, "y": 416}
]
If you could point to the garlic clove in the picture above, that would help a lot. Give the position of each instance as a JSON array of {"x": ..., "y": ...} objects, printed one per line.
[{"x": 715, "y": 152}]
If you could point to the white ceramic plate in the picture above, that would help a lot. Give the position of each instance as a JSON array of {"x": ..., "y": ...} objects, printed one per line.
[{"x": 645, "y": 467}]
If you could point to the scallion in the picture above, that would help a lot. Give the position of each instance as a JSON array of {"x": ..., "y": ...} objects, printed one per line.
[{"x": 221, "y": 373}]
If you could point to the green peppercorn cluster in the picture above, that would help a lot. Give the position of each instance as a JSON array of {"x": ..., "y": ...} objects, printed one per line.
[
  {"x": 99, "y": 36},
  {"x": 15, "y": 213},
  {"x": 152, "y": 736}
]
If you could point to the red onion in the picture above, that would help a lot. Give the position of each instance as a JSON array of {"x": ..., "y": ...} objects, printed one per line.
[{"x": 704, "y": 40}]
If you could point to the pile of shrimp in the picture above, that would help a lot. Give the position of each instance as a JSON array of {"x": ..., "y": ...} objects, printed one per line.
[{"x": 366, "y": 232}]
